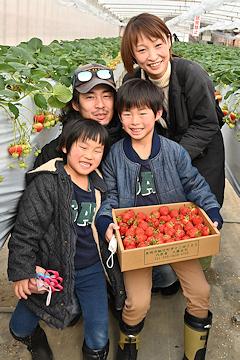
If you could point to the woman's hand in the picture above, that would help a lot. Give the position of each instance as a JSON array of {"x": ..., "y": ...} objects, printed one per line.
[{"x": 109, "y": 233}]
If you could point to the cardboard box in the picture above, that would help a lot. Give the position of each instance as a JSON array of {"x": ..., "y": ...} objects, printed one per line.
[{"x": 166, "y": 253}]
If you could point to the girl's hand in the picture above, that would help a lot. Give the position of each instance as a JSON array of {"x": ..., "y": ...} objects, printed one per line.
[
  {"x": 110, "y": 230},
  {"x": 33, "y": 282},
  {"x": 21, "y": 289}
]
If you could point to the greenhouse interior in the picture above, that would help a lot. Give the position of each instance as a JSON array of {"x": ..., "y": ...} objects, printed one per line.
[{"x": 42, "y": 43}]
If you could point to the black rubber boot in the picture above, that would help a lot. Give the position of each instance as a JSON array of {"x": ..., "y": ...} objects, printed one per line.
[
  {"x": 129, "y": 341},
  {"x": 89, "y": 354},
  {"x": 196, "y": 331},
  {"x": 37, "y": 344}
]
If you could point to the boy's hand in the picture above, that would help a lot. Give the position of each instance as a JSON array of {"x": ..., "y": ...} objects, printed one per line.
[
  {"x": 21, "y": 288},
  {"x": 215, "y": 224},
  {"x": 109, "y": 233}
]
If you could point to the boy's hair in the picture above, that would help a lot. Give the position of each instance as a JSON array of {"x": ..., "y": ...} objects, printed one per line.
[
  {"x": 84, "y": 129},
  {"x": 145, "y": 24},
  {"x": 139, "y": 93}
]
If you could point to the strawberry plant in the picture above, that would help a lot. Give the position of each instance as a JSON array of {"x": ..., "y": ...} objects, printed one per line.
[{"x": 43, "y": 72}]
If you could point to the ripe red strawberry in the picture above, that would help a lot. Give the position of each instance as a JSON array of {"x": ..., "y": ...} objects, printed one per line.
[
  {"x": 180, "y": 233},
  {"x": 140, "y": 238},
  {"x": 169, "y": 231},
  {"x": 225, "y": 112},
  {"x": 232, "y": 116},
  {"x": 184, "y": 210},
  {"x": 197, "y": 220},
  {"x": 165, "y": 218},
  {"x": 139, "y": 230},
  {"x": 164, "y": 210},
  {"x": 129, "y": 247},
  {"x": 166, "y": 237},
  {"x": 37, "y": 126},
  {"x": 154, "y": 222},
  {"x": 194, "y": 232},
  {"x": 143, "y": 224},
  {"x": 188, "y": 226},
  {"x": 130, "y": 232},
  {"x": 186, "y": 237},
  {"x": 142, "y": 244},
  {"x": 174, "y": 213},
  {"x": 161, "y": 228},
  {"x": 178, "y": 226},
  {"x": 155, "y": 214},
  {"x": 205, "y": 231},
  {"x": 128, "y": 240},
  {"x": 194, "y": 210},
  {"x": 149, "y": 231},
  {"x": 39, "y": 118},
  {"x": 141, "y": 216},
  {"x": 123, "y": 227},
  {"x": 15, "y": 150},
  {"x": 148, "y": 218},
  {"x": 128, "y": 216}
]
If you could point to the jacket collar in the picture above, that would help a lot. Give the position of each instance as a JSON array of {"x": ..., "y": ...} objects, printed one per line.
[{"x": 129, "y": 152}]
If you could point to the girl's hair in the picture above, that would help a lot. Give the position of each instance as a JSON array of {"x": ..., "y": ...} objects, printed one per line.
[
  {"x": 145, "y": 24},
  {"x": 139, "y": 93},
  {"x": 84, "y": 129}
]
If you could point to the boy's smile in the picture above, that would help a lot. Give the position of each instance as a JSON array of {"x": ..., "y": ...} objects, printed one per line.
[{"x": 139, "y": 123}]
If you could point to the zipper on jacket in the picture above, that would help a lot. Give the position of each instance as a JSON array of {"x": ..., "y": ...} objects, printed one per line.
[{"x": 71, "y": 248}]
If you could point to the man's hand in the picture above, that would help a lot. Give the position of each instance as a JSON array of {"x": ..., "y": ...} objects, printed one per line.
[{"x": 109, "y": 233}]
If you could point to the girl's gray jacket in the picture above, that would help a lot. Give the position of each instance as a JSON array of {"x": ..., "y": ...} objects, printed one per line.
[{"x": 44, "y": 235}]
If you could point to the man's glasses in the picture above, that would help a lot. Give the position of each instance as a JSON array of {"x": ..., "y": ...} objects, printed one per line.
[{"x": 87, "y": 75}]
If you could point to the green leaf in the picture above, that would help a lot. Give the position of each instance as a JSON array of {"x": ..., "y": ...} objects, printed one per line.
[
  {"x": 22, "y": 54},
  {"x": 55, "y": 103},
  {"x": 62, "y": 93},
  {"x": 40, "y": 101},
  {"x": 35, "y": 43},
  {"x": 21, "y": 68},
  {"x": 6, "y": 68},
  {"x": 8, "y": 94},
  {"x": 13, "y": 109}
]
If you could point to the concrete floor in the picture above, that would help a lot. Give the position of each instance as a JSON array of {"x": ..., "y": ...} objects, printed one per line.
[{"x": 162, "y": 336}]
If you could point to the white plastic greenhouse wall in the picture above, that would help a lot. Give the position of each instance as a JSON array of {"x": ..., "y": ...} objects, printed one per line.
[{"x": 20, "y": 20}]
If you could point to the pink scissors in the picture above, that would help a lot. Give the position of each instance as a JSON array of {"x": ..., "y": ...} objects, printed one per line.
[{"x": 53, "y": 281}]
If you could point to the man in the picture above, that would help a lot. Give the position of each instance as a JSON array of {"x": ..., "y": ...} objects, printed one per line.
[{"x": 94, "y": 91}]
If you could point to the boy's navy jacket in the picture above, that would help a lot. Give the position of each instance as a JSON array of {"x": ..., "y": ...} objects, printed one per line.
[
  {"x": 44, "y": 235},
  {"x": 175, "y": 180}
]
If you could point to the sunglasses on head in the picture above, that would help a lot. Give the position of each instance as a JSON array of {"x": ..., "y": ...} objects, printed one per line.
[{"x": 87, "y": 75}]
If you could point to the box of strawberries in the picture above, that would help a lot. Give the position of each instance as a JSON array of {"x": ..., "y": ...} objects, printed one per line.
[{"x": 162, "y": 234}]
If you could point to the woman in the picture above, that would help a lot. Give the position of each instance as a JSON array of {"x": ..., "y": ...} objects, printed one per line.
[{"x": 189, "y": 118}]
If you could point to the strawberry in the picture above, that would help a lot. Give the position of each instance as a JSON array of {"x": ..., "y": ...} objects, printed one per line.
[
  {"x": 130, "y": 232},
  {"x": 15, "y": 150},
  {"x": 39, "y": 118},
  {"x": 180, "y": 233},
  {"x": 194, "y": 210},
  {"x": 197, "y": 220},
  {"x": 232, "y": 116},
  {"x": 155, "y": 214},
  {"x": 161, "y": 228},
  {"x": 148, "y": 218},
  {"x": 194, "y": 232},
  {"x": 149, "y": 231},
  {"x": 164, "y": 210},
  {"x": 129, "y": 247},
  {"x": 123, "y": 227},
  {"x": 141, "y": 216},
  {"x": 184, "y": 210},
  {"x": 166, "y": 237},
  {"x": 219, "y": 97},
  {"x": 205, "y": 231},
  {"x": 165, "y": 218},
  {"x": 174, "y": 213},
  {"x": 225, "y": 112},
  {"x": 169, "y": 231},
  {"x": 139, "y": 230},
  {"x": 128, "y": 216},
  {"x": 142, "y": 244},
  {"x": 188, "y": 226},
  {"x": 143, "y": 224},
  {"x": 128, "y": 240},
  {"x": 140, "y": 238},
  {"x": 37, "y": 126}
]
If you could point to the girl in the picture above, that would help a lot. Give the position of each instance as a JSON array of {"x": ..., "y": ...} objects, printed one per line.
[{"x": 54, "y": 230}]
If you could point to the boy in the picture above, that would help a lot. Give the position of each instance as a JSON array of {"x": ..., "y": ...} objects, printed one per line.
[
  {"x": 148, "y": 169},
  {"x": 55, "y": 229}
]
